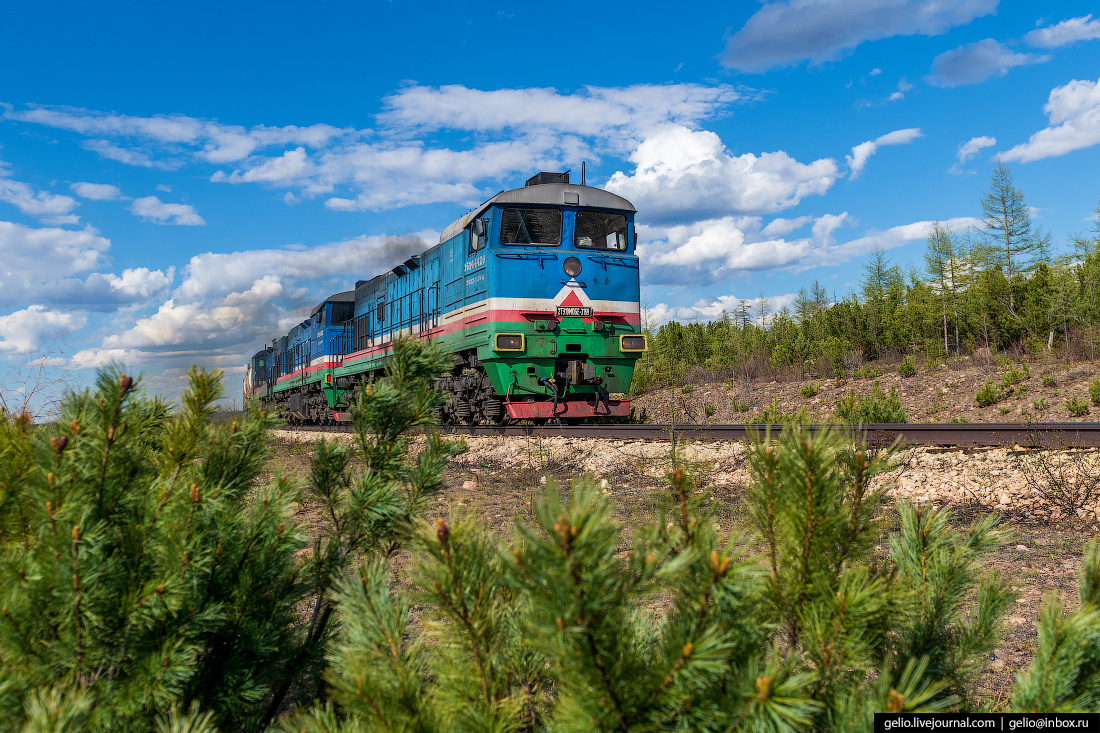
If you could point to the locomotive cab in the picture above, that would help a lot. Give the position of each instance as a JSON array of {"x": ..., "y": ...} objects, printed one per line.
[{"x": 554, "y": 266}]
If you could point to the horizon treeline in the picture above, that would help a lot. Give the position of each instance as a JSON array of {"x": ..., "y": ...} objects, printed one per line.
[{"x": 1001, "y": 287}]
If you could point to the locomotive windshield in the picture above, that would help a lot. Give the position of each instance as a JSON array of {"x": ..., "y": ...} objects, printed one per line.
[
  {"x": 594, "y": 230},
  {"x": 530, "y": 226}
]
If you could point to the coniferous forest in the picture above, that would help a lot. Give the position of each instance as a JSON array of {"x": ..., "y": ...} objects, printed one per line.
[{"x": 1004, "y": 287}]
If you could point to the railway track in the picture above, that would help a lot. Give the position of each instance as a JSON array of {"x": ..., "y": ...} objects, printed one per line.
[{"x": 1033, "y": 435}]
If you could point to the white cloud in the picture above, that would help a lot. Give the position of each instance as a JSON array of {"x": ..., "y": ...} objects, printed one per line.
[
  {"x": 705, "y": 252},
  {"x": 977, "y": 62},
  {"x": 41, "y": 265},
  {"x": 97, "y": 191},
  {"x": 779, "y": 226},
  {"x": 375, "y": 170},
  {"x": 151, "y": 208},
  {"x": 589, "y": 112},
  {"x": 785, "y": 33},
  {"x": 972, "y": 146},
  {"x": 862, "y": 152},
  {"x": 30, "y": 257},
  {"x": 1069, "y": 31},
  {"x": 229, "y": 305},
  {"x": 902, "y": 234},
  {"x": 1074, "y": 114},
  {"x": 710, "y": 309},
  {"x": 685, "y": 174},
  {"x": 129, "y": 157},
  {"x": 968, "y": 150},
  {"x": 206, "y": 139},
  {"x": 22, "y": 330},
  {"x": 49, "y": 207},
  {"x": 876, "y": 71}
]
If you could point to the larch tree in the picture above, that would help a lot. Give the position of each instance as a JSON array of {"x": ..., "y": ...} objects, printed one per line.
[{"x": 1008, "y": 228}]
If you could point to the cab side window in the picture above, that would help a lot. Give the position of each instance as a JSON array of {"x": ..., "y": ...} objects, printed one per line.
[{"x": 479, "y": 234}]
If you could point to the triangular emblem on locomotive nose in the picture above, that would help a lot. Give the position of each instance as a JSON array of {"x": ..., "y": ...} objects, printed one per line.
[
  {"x": 572, "y": 299},
  {"x": 573, "y": 302}
]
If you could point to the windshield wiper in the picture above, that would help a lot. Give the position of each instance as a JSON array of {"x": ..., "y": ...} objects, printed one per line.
[{"x": 523, "y": 228}]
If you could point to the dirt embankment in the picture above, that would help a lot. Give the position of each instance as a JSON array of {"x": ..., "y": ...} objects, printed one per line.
[{"x": 942, "y": 394}]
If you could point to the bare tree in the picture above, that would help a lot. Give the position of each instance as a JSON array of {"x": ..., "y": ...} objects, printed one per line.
[{"x": 33, "y": 383}]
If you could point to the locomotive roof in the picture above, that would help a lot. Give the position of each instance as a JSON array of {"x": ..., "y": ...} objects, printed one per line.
[
  {"x": 546, "y": 193},
  {"x": 348, "y": 296}
]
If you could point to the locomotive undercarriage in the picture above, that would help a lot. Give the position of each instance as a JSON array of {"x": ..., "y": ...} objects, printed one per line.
[
  {"x": 305, "y": 406},
  {"x": 471, "y": 399}
]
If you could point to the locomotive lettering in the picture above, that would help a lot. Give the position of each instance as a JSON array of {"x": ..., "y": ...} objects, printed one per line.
[{"x": 572, "y": 311}]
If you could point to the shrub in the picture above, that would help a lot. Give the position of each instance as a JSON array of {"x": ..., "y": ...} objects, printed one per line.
[
  {"x": 810, "y": 389},
  {"x": 772, "y": 415},
  {"x": 1066, "y": 481},
  {"x": 563, "y": 634},
  {"x": 1041, "y": 404},
  {"x": 709, "y": 410},
  {"x": 907, "y": 367},
  {"x": 1048, "y": 381},
  {"x": 1094, "y": 391},
  {"x": 960, "y": 419},
  {"x": 687, "y": 389},
  {"x": 1077, "y": 407},
  {"x": 1013, "y": 377},
  {"x": 877, "y": 407},
  {"x": 737, "y": 405},
  {"x": 866, "y": 372},
  {"x": 990, "y": 393},
  {"x": 143, "y": 568}
]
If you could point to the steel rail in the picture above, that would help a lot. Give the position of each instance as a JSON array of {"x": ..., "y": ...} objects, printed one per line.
[{"x": 1031, "y": 435}]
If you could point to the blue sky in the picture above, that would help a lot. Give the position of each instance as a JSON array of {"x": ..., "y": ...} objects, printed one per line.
[{"x": 178, "y": 184}]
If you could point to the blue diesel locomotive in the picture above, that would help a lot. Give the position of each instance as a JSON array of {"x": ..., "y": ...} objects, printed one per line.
[{"x": 535, "y": 292}]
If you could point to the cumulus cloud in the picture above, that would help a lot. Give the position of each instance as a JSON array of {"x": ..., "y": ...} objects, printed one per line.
[
  {"x": 1073, "y": 111},
  {"x": 689, "y": 174},
  {"x": 49, "y": 207},
  {"x": 710, "y": 309},
  {"x": 45, "y": 265},
  {"x": 977, "y": 62},
  {"x": 151, "y": 208},
  {"x": 1069, "y": 31},
  {"x": 229, "y": 305},
  {"x": 968, "y": 150},
  {"x": 862, "y": 152},
  {"x": 589, "y": 112},
  {"x": 97, "y": 191},
  {"x": 108, "y": 292},
  {"x": 30, "y": 257},
  {"x": 389, "y": 167},
  {"x": 21, "y": 331},
  {"x": 708, "y": 251},
  {"x": 785, "y": 33}
]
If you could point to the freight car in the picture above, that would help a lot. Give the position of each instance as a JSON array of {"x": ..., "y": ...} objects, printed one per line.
[{"x": 535, "y": 293}]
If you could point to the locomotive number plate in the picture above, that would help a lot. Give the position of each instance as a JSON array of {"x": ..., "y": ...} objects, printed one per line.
[{"x": 574, "y": 311}]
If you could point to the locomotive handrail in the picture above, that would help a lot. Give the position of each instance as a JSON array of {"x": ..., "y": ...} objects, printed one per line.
[
  {"x": 540, "y": 256},
  {"x": 605, "y": 260}
]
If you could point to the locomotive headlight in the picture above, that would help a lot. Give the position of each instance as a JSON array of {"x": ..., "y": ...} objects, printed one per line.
[
  {"x": 509, "y": 342},
  {"x": 572, "y": 266},
  {"x": 632, "y": 343}
]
